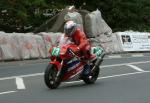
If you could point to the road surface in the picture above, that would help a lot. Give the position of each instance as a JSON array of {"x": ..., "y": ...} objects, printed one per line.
[{"x": 123, "y": 79}]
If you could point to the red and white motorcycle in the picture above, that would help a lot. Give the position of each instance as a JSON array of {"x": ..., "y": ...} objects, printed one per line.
[{"x": 66, "y": 64}]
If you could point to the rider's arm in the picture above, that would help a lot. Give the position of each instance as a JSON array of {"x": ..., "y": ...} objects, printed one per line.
[
  {"x": 83, "y": 42},
  {"x": 80, "y": 39}
]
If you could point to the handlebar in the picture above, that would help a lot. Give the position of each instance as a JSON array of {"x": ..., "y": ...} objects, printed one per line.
[{"x": 70, "y": 50}]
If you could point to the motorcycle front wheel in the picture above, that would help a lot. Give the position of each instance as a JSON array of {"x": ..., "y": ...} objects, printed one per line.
[{"x": 50, "y": 77}]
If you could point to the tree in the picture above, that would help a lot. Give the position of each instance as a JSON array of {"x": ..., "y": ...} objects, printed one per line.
[{"x": 26, "y": 15}]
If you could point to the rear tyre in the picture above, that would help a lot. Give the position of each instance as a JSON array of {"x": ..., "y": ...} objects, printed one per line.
[{"x": 50, "y": 77}]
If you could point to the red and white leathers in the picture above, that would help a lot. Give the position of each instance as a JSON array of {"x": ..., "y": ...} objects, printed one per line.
[{"x": 80, "y": 39}]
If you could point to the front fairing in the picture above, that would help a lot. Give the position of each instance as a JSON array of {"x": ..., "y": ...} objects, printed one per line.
[
  {"x": 60, "y": 53},
  {"x": 64, "y": 52},
  {"x": 57, "y": 64},
  {"x": 65, "y": 59},
  {"x": 61, "y": 50}
]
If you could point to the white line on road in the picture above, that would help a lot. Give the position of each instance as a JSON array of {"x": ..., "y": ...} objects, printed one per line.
[
  {"x": 126, "y": 74},
  {"x": 137, "y": 55},
  {"x": 7, "y": 92},
  {"x": 121, "y": 64},
  {"x": 136, "y": 68},
  {"x": 21, "y": 76},
  {"x": 20, "y": 83},
  {"x": 114, "y": 56},
  {"x": 104, "y": 66},
  {"x": 106, "y": 77}
]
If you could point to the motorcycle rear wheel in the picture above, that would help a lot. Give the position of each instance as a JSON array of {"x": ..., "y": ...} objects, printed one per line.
[
  {"x": 92, "y": 77},
  {"x": 50, "y": 76}
]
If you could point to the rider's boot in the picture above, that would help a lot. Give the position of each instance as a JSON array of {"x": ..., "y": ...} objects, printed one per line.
[{"x": 87, "y": 70}]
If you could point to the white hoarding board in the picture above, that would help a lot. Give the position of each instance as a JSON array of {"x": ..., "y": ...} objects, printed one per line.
[{"x": 134, "y": 41}]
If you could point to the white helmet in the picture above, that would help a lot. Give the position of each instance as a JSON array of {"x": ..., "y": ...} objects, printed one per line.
[{"x": 70, "y": 28}]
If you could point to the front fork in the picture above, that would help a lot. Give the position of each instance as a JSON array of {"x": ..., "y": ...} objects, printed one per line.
[{"x": 58, "y": 76}]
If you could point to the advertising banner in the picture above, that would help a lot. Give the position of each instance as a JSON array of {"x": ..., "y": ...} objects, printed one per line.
[{"x": 134, "y": 41}]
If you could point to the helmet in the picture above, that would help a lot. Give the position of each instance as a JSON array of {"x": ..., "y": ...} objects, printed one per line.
[{"x": 70, "y": 28}]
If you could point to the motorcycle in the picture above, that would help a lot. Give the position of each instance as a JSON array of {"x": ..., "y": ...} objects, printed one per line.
[{"x": 66, "y": 63}]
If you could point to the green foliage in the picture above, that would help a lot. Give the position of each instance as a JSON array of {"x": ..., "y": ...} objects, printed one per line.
[
  {"x": 124, "y": 14},
  {"x": 26, "y": 15}
]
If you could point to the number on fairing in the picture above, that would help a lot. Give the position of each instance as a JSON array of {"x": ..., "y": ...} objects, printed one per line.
[
  {"x": 97, "y": 50},
  {"x": 55, "y": 51}
]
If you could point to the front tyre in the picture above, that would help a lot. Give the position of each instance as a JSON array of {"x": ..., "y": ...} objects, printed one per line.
[
  {"x": 50, "y": 77},
  {"x": 92, "y": 77}
]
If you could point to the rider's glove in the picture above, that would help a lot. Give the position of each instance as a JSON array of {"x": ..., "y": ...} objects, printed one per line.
[{"x": 78, "y": 48}]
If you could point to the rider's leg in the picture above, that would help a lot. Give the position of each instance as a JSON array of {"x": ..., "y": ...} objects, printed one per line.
[{"x": 87, "y": 68}]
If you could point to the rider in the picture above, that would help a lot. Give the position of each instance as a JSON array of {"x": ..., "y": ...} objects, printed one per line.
[{"x": 79, "y": 38}]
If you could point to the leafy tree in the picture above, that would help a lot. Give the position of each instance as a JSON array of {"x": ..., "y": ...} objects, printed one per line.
[{"x": 26, "y": 15}]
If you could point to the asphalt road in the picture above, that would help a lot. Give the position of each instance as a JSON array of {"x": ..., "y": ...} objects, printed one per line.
[{"x": 123, "y": 79}]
